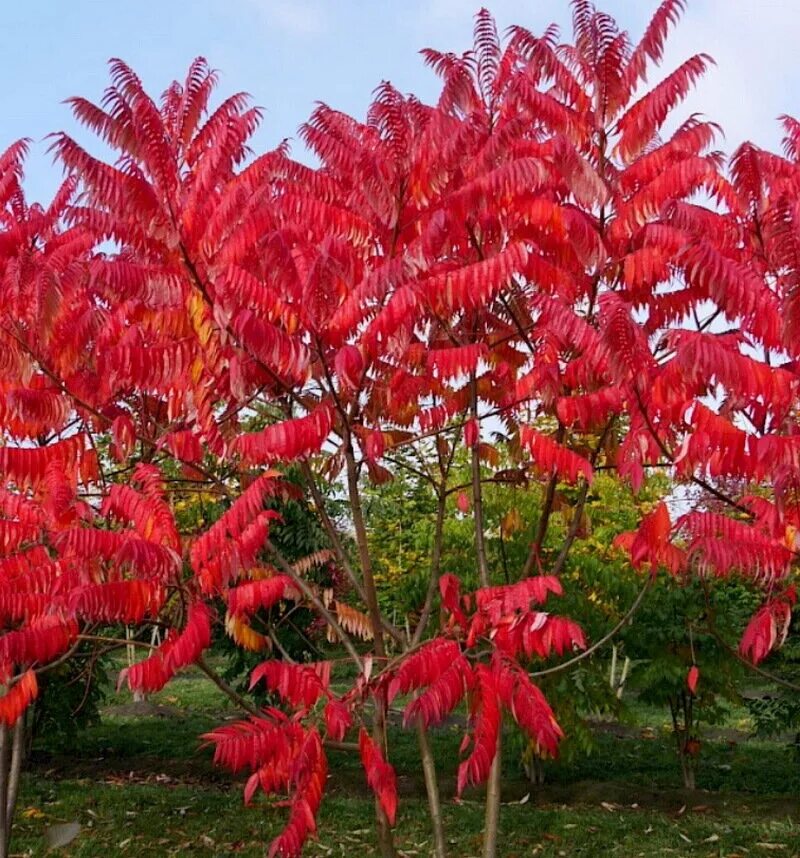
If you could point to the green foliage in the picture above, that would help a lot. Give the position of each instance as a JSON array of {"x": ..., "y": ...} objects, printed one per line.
[
  {"x": 70, "y": 697},
  {"x": 673, "y": 631},
  {"x": 775, "y": 708}
]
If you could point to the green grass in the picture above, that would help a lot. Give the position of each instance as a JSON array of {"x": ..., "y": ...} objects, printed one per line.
[
  {"x": 153, "y": 820},
  {"x": 142, "y": 786}
]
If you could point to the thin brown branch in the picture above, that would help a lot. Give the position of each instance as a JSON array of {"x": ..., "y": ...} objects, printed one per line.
[
  {"x": 288, "y": 569},
  {"x": 558, "y": 668}
]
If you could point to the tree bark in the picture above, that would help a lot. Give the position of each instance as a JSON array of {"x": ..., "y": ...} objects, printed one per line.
[
  {"x": 385, "y": 837},
  {"x": 432, "y": 789},
  {"x": 477, "y": 496},
  {"x": 493, "y": 786},
  {"x": 436, "y": 563},
  {"x": 365, "y": 560},
  {"x": 535, "y": 554},
  {"x": 15, "y": 770},
  {"x": 491, "y": 827},
  {"x": 5, "y": 759},
  {"x": 12, "y": 749}
]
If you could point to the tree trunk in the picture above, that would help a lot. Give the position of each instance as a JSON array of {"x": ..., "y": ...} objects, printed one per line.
[
  {"x": 5, "y": 765},
  {"x": 436, "y": 562},
  {"x": 138, "y": 696},
  {"x": 477, "y": 497},
  {"x": 682, "y": 732},
  {"x": 534, "y": 769},
  {"x": 432, "y": 789},
  {"x": 493, "y": 802},
  {"x": 385, "y": 837},
  {"x": 687, "y": 770},
  {"x": 12, "y": 750}
]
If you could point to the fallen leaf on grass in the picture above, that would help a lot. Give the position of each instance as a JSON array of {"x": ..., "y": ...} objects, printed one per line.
[{"x": 32, "y": 813}]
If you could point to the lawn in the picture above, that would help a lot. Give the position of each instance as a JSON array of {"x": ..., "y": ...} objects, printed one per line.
[{"x": 142, "y": 785}]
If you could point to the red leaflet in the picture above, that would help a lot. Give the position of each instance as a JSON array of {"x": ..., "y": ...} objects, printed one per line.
[
  {"x": 15, "y": 701},
  {"x": 149, "y": 675},
  {"x": 450, "y": 590},
  {"x": 249, "y": 597},
  {"x": 473, "y": 285},
  {"x": 590, "y": 410},
  {"x": 187, "y": 647},
  {"x": 297, "y": 684},
  {"x": 287, "y": 440},
  {"x": 349, "y": 366},
  {"x": 14, "y": 533},
  {"x": 642, "y": 120},
  {"x": 16, "y": 607},
  {"x": 423, "y": 667},
  {"x": 462, "y": 502},
  {"x": 272, "y": 777},
  {"x": 380, "y": 775},
  {"x": 692, "y": 678},
  {"x": 280, "y": 353},
  {"x": 26, "y": 466},
  {"x": 234, "y": 521},
  {"x": 536, "y": 634},
  {"x": 29, "y": 412},
  {"x": 550, "y": 457},
  {"x": 42, "y": 640},
  {"x": 184, "y": 445},
  {"x": 508, "y": 598},
  {"x": 455, "y": 362},
  {"x": 767, "y": 630},
  {"x": 150, "y": 516},
  {"x": 338, "y": 719},
  {"x": 725, "y": 545},
  {"x": 308, "y": 776},
  {"x": 374, "y": 445},
  {"x": 471, "y": 433},
  {"x": 528, "y": 707},
  {"x": 485, "y": 716},
  {"x": 442, "y": 695},
  {"x": 179, "y": 650},
  {"x": 121, "y": 601},
  {"x": 650, "y": 543},
  {"x": 123, "y": 432},
  {"x": 257, "y": 742}
]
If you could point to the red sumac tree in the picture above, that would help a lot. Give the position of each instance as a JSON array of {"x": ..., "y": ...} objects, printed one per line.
[{"x": 533, "y": 268}]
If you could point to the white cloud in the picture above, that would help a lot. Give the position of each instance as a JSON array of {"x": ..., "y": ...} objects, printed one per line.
[{"x": 302, "y": 18}]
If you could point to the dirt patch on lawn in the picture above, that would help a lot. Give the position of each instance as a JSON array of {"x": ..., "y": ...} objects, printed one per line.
[{"x": 612, "y": 796}]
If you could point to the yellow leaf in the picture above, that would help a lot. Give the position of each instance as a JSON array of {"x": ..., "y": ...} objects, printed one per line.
[
  {"x": 33, "y": 813},
  {"x": 244, "y": 635}
]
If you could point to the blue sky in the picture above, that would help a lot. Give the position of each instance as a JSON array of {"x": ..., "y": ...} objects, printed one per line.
[{"x": 290, "y": 53}]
